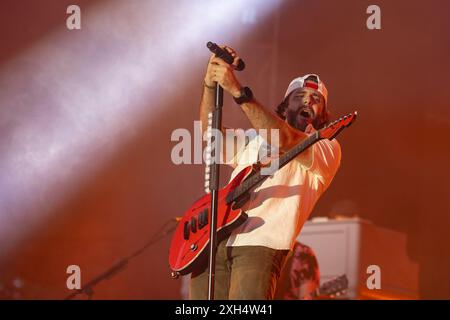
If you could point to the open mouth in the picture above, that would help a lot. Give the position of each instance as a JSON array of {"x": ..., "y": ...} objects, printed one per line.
[{"x": 306, "y": 113}]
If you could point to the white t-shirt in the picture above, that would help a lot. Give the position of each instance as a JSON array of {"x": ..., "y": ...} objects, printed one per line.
[{"x": 279, "y": 207}]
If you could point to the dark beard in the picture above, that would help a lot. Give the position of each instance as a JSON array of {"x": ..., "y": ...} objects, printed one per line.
[{"x": 301, "y": 124}]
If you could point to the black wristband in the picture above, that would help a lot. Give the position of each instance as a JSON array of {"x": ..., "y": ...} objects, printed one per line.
[{"x": 246, "y": 95}]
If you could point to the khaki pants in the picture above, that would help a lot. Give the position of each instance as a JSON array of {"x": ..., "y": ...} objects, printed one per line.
[{"x": 242, "y": 273}]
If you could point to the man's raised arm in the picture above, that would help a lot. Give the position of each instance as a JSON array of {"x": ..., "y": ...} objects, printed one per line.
[{"x": 260, "y": 118}]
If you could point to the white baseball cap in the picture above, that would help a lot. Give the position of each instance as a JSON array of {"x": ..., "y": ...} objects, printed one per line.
[{"x": 313, "y": 82}]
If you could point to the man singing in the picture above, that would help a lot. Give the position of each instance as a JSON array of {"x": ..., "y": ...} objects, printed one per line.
[{"x": 249, "y": 260}]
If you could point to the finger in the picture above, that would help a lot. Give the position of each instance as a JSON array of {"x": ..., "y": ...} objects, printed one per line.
[
  {"x": 231, "y": 51},
  {"x": 219, "y": 69},
  {"x": 218, "y": 61},
  {"x": 309, "y": 128},
  {"x": 216, "y": 78},
  {"x": 236, "y": 61},
  {"x": 234, "y": 55}
]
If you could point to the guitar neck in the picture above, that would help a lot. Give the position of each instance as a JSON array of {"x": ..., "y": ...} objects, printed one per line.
[
  {"x": 291, "y": 154},
  {"x": 284, "y": 159}
]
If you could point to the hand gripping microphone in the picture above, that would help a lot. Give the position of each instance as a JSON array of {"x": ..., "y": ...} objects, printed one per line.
[{"x": 225, "y": 55}]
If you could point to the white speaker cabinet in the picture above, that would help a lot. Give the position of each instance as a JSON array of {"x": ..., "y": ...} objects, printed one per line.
[{"x": 351, "y": 245}]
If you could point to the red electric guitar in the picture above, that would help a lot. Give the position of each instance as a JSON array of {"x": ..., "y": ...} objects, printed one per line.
[{"x": 191, "y": 237}]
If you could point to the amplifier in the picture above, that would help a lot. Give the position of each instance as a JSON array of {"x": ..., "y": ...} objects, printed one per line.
[{"x": 362, "y": 251}]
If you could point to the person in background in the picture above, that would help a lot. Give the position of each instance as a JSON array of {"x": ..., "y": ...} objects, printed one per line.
[{"x": 300, "y": 276}]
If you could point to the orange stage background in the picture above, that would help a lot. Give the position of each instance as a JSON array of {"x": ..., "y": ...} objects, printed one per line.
[{"x": 395, "y": 165}]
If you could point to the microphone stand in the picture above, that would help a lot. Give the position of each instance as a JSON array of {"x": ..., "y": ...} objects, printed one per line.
[
  {"x": 214, "y": 187},
  {"x": 215, "y": 174},
  {"x": 114, "y": 269}
]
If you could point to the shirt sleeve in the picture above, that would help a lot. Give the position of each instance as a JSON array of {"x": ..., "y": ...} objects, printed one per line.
[{"x": 326, "y": 159}]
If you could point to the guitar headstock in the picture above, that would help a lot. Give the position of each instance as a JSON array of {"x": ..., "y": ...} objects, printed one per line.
[
  {"x": 333, "y": 129},
  {"x": 334, "y": 287}
]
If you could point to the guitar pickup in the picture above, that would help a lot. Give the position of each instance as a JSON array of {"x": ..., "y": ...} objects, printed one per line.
[
  {"x": 186, "y": 230},
  {"x": 203, "y": 219},
  {"x": 193, "y": 225}
]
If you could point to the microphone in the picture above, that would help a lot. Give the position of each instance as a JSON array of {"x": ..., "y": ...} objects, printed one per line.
[{"x": 225, "y": 55}]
